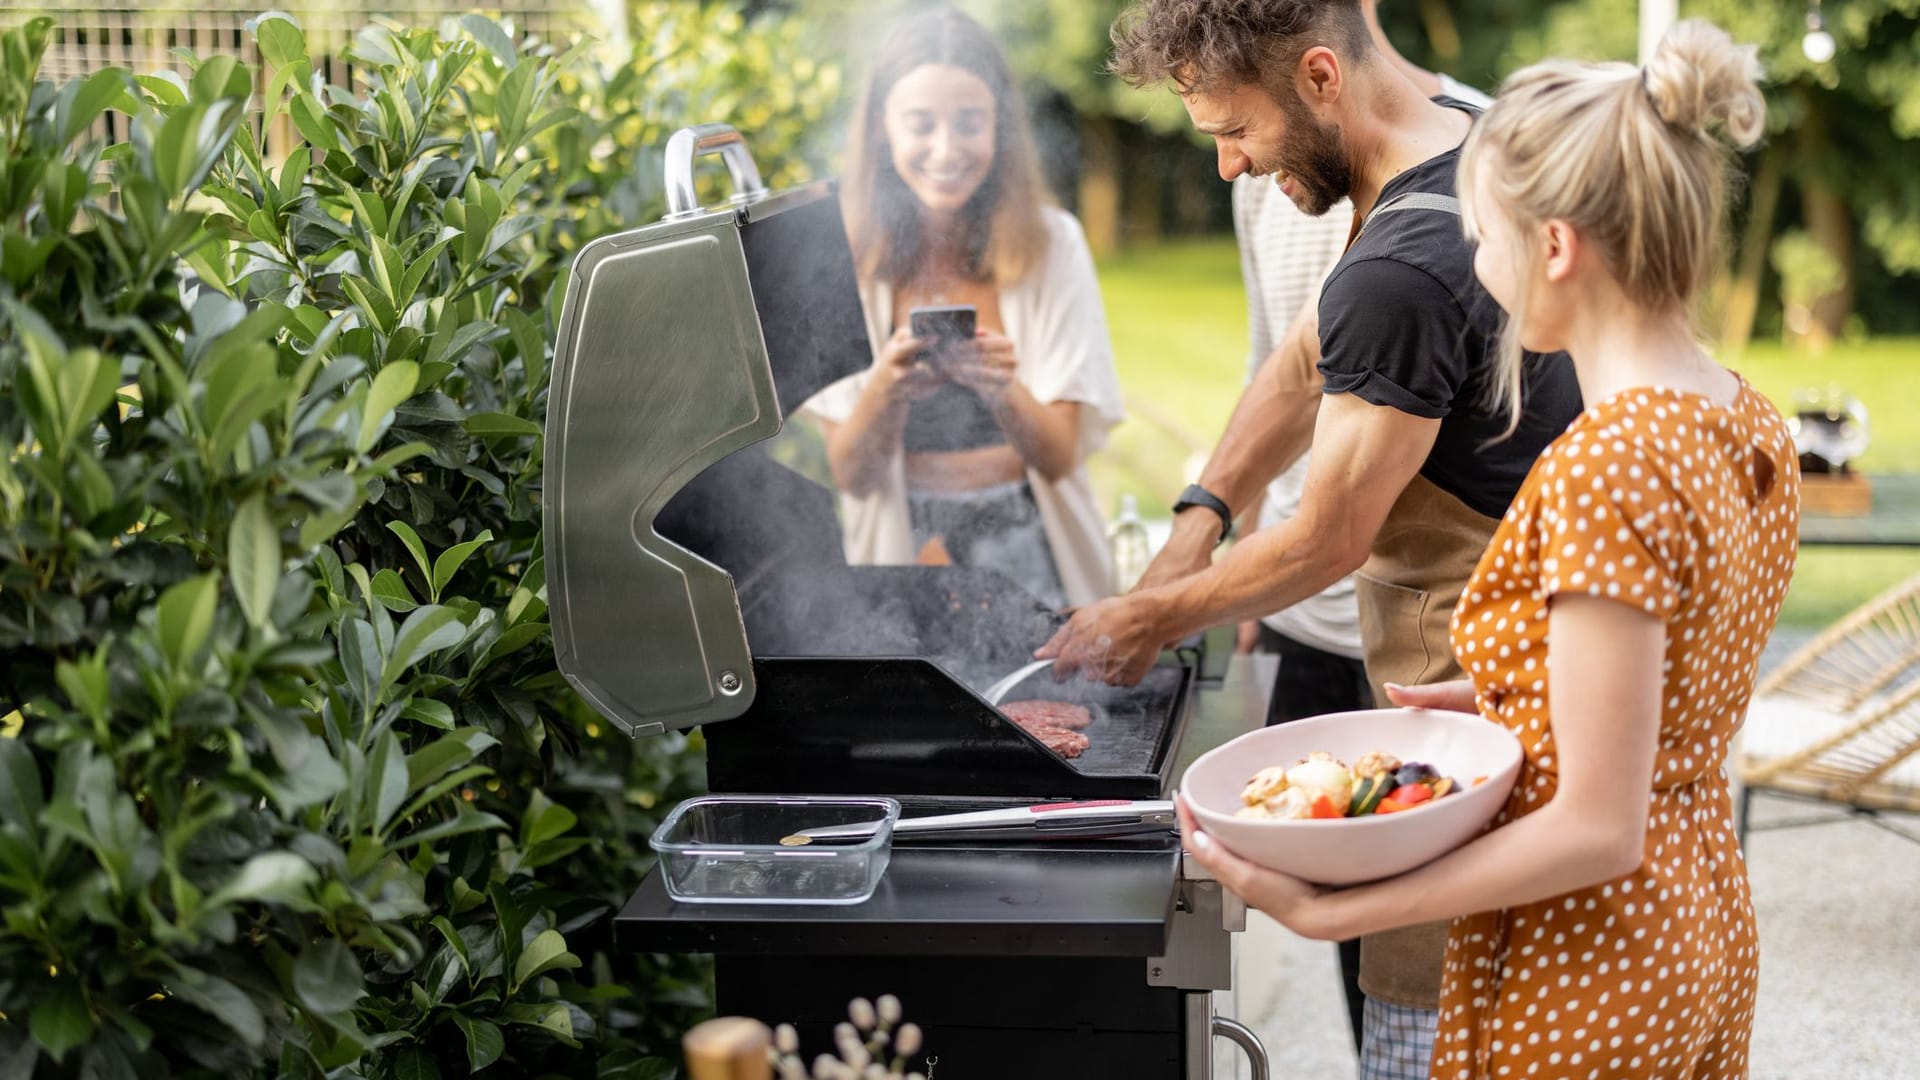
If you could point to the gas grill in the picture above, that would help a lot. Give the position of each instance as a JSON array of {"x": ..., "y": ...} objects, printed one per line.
[{"x": 695, "y": 580}]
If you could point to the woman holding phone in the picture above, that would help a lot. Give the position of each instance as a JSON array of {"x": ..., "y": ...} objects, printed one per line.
[{"x": 967, "y": 442}]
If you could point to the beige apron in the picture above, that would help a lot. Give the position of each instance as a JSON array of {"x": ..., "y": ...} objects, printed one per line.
[{"x": 1426, "y": 551}]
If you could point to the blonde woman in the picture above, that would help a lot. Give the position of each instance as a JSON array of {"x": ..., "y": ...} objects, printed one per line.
[
  {"x": 1603, "y": 926},
  {"x": 975, "y": 452}
]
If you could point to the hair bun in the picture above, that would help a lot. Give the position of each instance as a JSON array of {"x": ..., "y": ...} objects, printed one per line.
[{"x": 1699, "y": 80}]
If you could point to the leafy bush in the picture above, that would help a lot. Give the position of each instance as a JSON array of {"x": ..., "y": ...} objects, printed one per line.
[{"x": 296, "y": 787}]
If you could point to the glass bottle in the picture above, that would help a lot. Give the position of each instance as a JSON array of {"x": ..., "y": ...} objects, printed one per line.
[{"x": 1128, "y": 541}]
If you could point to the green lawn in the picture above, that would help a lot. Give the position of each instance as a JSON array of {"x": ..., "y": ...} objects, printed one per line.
[{"x": 1179, "y": 323}]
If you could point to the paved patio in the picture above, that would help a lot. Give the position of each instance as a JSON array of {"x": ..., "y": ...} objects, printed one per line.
[{"x": 1839, "y": 911}]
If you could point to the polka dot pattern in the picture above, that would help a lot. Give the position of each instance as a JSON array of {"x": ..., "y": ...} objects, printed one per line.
[{"x": 1689, "y": 511}]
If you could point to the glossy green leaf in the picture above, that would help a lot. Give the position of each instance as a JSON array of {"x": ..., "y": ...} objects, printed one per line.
[
  {"x": 390, "y": 590},
  {"x": 444, "y": 754},
  {"x": 220, "y": 75},
  {"x": 223, "y": 1001},
  {"x": 386, "y": 776},
  {"x": 360, "y": 660},
  {"x": 485, "y": 1043},
  {"x": 551, "y": 1016},
  {"x": 450, "y": 560},
  {"x": 465, "y": 820},
  {"x": 440, "y": 787},
  {"x": 434, "y": 714},
  {"x": 311, "y": 120},
  {"x": 83, "y": 100},
  {"x": 546, "y": 952},
  {"x": 490, "y": 424},
  {"x": 393, "y": 385},
  {"x": 326, "y": 978},
  {"x": 253, "y": 559},
  {"x": 544, "y": 819},
  {"x": 166, "y": 87},
  {"x": 512, "y": 639},
  {"x": 413, "y": 1063},
  {"x": 412, "y": 540},
  {"x": 59, "y": 1019},
  {"x": 281, "y": 40},
  {"x": 489, "y": 34},
  {"x": 21, "y": 796},
  {"x": 185, "y": 618},
  {"x": 426, "y": 630},
  {"x": 274, "y": 877},
  {"x": 84, "y": 681}
]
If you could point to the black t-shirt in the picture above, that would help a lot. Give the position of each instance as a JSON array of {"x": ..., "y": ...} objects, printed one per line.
[{"x": 1405, "y": 324}]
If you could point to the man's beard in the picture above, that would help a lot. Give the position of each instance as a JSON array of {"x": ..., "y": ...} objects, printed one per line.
[{"x": 1315, "y": 155}]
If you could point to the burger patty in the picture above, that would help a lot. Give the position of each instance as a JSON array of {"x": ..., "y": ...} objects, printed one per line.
[
  {"x": 1062, "y": 741},
  {"x": 1058, "y": 714}
]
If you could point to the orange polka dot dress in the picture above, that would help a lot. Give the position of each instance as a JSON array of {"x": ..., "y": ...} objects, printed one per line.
[{"x": 1690, "y": 511}]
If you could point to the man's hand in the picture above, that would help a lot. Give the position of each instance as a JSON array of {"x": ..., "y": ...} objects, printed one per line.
[{"x": 1115, "y": 641}]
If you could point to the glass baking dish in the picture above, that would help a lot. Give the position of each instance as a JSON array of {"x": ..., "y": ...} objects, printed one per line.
[{"x": 726, "y": 849}]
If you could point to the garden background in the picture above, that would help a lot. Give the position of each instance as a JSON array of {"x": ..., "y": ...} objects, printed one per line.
[{"x": 288, "y": 783}]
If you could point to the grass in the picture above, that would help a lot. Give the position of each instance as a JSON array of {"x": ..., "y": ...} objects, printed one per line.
[{"x": 1179, "y": 323}]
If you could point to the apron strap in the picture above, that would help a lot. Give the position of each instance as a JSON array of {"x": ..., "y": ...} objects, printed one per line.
[{"x": 1412, "y": 200}]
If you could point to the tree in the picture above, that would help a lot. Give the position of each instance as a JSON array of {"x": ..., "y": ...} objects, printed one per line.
[{"x": 1828, "y": 188}]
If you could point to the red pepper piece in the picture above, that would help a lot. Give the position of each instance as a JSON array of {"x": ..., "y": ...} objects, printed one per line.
[{"x": 1411, "y": 794}]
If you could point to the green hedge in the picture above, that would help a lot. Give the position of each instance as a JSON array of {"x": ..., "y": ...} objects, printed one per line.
[{"x": 291, "y": 785}]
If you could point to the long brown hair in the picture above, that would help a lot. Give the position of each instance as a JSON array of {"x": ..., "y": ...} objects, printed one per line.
[{"x": 1005, "y": 235}]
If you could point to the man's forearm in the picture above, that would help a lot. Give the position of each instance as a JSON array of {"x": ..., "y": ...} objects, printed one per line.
[
  {"x": 1268, "y": 571},
  {"x": 1269, "y": 430}
]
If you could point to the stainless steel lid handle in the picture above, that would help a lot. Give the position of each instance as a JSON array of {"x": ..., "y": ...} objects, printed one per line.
[{"x": 692, "y": 143}]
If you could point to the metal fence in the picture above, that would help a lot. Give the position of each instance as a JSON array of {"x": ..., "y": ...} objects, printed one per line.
[{"x": 151, "y": 37}]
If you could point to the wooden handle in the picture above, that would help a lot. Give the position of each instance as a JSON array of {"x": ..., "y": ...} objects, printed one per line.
[{"x": 728, "y": 1048}]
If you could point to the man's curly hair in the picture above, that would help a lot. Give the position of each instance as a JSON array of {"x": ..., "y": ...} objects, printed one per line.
[{"x": 1209, "y": 44}]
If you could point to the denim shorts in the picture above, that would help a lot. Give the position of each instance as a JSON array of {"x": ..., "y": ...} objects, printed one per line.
[{"x": 993, "y": 528}]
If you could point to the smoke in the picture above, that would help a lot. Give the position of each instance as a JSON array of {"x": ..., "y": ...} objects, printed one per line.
[
  {"x": 763, "y": 514},
  {"x": 849, "y": 36}
]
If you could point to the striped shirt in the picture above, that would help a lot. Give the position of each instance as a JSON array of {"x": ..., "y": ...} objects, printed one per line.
[{"x": 1284, "y": 254}]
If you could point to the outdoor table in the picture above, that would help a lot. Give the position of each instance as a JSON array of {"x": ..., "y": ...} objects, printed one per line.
[{"x": 1893, "y": 522}]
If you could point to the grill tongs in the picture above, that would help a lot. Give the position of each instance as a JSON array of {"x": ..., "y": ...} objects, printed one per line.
[{"x": 1045, "y": 821}]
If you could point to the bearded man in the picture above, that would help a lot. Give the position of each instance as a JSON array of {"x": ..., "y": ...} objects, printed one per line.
[{"x": 1412, "y": 464}]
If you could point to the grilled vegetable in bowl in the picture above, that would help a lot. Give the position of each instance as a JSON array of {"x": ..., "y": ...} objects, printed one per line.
[{"x": 1325, "y": 788}]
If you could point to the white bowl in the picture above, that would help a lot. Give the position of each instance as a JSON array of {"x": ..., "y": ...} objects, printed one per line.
[{"x": 1345, "y": 851}]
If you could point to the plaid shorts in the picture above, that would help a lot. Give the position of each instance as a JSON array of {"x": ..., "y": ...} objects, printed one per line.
[{"x": 1396, "y": 1042}]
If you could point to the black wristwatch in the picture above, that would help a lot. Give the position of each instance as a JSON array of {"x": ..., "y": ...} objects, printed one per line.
[{"x": 1195, "y": 495}]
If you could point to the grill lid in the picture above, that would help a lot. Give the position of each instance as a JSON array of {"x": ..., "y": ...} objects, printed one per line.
[{"x": 678, "y": 344}]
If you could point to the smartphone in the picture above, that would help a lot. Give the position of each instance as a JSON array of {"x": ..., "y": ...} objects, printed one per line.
[{"x": 943, "y": 326}]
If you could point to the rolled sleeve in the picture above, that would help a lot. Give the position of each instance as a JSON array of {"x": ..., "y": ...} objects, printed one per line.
[{"x": 1392, "y": 335}]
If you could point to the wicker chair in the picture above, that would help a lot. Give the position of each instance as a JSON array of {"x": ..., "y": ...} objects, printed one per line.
[{"x": 1839, "y": 722}]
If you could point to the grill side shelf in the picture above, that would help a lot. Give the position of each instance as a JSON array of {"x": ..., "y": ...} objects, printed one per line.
[{"x": 1064, "y": 900}]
